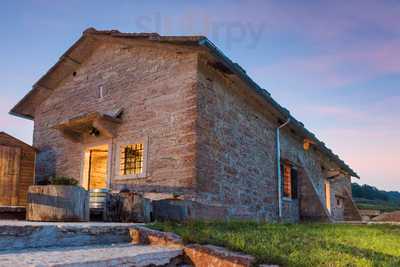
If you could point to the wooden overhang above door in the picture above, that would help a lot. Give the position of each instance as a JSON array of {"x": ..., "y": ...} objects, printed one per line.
[{"x": 74, "y": 128}]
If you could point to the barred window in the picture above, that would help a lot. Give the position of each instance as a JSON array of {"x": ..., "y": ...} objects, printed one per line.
[
  {"x": 289, "y": 183},
  {"x": 131, "y": 159}
]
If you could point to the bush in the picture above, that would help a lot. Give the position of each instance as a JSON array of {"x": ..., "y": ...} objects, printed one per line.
[{"x": 63, "y": 180}]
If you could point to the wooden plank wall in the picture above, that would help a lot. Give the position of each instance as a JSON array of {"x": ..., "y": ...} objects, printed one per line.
[
  {"x": 9, "y": 174},
  {"x": 17, "y": 167}
]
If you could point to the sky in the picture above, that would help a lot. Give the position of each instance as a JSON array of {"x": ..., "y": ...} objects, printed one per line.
[{"x": 334, "y": 64}]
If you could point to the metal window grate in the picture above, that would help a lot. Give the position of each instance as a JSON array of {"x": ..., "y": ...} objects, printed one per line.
[
  {"x": 131, "y": 159},
  {"x": 287, "y": 181}
]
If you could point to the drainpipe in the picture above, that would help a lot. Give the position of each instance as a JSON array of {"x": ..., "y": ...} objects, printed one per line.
[{"x": 278, "y": 165}]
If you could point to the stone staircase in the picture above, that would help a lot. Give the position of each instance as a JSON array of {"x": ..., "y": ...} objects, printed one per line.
[
  {"x": 77, "y": 244},
  {"x": 351, "y": 212}
]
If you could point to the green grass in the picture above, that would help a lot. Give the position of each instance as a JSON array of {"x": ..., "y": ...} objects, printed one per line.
[
  {"x": 298, "y": 244},
  {"x": 383, "y": 207},
  {"x": 380, "y": 207}
]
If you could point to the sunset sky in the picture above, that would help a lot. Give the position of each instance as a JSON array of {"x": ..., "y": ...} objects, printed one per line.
[{"x": 334, "y": 64}]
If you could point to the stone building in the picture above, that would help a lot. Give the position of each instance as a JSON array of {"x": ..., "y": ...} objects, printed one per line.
[{"x": 173, "y": 116}]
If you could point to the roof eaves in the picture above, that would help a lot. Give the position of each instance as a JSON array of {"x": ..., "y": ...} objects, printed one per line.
[
  {"x": 14, "y": 110},
  {"x": 22, "y": 116},
  {"x": 34, "y": 88},
  {"x": 18, "y": 140}
]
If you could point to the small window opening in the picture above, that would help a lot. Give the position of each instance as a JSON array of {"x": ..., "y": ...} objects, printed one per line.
[
  {"x": 74, "y": 73},
  {"x": 101, "y": 92},
  {"x": 339, "y": 202},
  {"x": 289, "y": 174}
]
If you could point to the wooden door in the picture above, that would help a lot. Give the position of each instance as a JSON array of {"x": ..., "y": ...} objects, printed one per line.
[
  {"x": 9, "y": 174},
  {"x": 98, "y": 169}
]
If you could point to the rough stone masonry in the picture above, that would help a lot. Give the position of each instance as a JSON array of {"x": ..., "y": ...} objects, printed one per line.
[{"x": 208, "y": 130}]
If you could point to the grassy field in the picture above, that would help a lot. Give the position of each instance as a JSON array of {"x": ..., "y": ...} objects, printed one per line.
[
  {"x": 383, "y": 206},
  {"x": 298, "y": 244}
]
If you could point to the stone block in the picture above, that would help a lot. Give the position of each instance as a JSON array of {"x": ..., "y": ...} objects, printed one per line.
[
  {"x": 208, "y": 255},
  {"x": 128, "y": 207},
  {"x": 57, "y": 203},
  {"x": 171, "y": 210},
  {"x": 143, "y": 235}
]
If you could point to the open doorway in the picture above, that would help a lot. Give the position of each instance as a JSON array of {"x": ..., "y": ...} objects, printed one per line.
[
  {"x": 327, "y": 190},
  {"x": 95, "y": 173}
]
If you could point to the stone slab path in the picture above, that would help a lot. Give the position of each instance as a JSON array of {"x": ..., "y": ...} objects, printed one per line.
[
  {"x": 64, "y": 224},
  {"x": 102, "y": 255},
  {"x": 24, "y": 235}
]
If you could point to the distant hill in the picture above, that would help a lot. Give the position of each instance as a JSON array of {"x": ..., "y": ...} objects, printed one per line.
[{"x": 370, "y": 197}]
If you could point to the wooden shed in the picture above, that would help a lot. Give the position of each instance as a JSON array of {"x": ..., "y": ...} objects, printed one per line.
[{"x": 17, "y": 170}]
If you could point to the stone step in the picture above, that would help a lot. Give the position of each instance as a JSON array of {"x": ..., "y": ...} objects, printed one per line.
[
  {"x": 95, "y": 255},
  {"x": 23, "y": 235}
]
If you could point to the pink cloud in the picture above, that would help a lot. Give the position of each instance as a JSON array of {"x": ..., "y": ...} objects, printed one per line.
[
  {"x": 321, "y": 21},
  {"x": 357, "y": 40},
  {"x": 371, "y": 146},
  {"x": 342, "y": 68},
  {"x": 335, "y": 115},
  {"x": 373, "y": 153}
]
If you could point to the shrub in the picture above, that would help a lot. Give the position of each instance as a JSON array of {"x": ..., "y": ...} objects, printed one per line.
[{"x": 63, "y": 180}]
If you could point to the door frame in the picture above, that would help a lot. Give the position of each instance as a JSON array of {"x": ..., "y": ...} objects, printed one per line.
[{"x": 83, "y": 159}]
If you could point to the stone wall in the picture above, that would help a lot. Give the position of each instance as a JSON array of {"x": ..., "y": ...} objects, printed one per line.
[
  {"x": 290, "y": 210},
  {"x": 338, "y": 186},
  {"x": 236, "y": 161},
  {"x": 350, "y": 212},
  {"x": 155, "y": 87},
  {"x": 311, "y": 206},
  {"x": 209, "y": 139}
]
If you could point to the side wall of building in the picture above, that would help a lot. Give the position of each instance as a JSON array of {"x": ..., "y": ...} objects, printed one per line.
[
  {"x": 155, "y": 86},
  {"x": 343, "y": 208},
  {"x": 207, "y": 137},
  {"x": 310, "y": 163},
  {"x": 237, "y": 153},
  {"x": 236, "y": 160}
]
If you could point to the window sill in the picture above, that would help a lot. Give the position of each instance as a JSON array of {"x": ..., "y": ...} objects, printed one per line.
[
  {"x": 130, "y": 177},
  {"x": 288, "y": 199}
]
